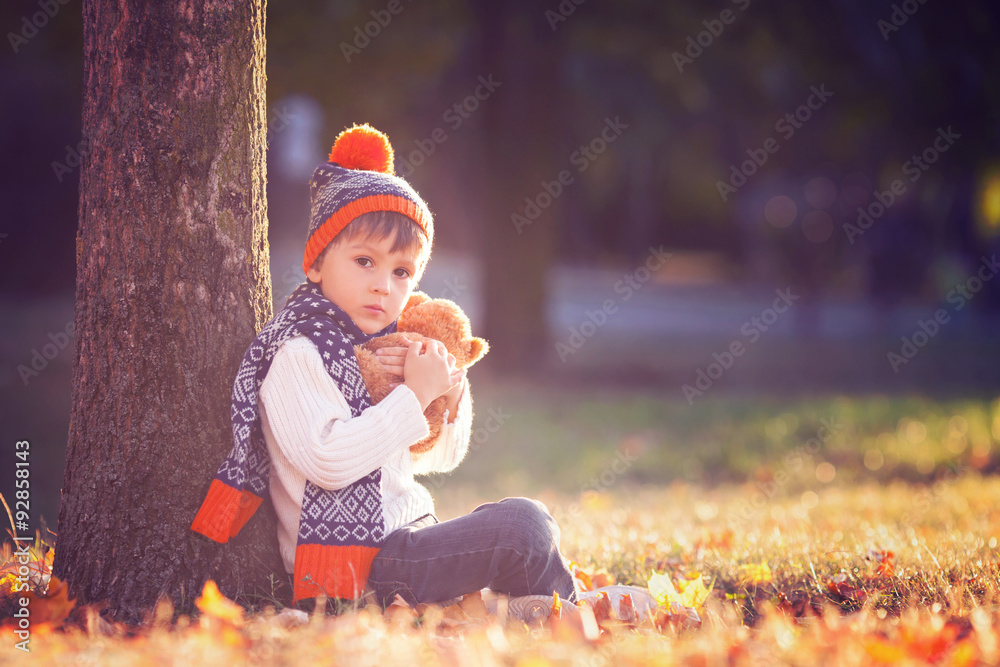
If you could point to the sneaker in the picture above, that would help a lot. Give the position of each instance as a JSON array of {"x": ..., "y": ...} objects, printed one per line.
[
  {"x": 535, "y": 609},
  {"x": 642, "y": 602}
]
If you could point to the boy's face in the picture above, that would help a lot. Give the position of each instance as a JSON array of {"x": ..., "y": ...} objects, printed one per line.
[{"x": 370, "y": 283}]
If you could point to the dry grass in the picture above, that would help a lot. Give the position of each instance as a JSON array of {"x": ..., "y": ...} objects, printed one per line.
[{"x": 849, "y": 575}]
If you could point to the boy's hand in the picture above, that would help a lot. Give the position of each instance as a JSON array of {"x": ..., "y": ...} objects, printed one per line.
[
  {"x": 428, "y": 371},
  {"x": 393, "y": 358}
]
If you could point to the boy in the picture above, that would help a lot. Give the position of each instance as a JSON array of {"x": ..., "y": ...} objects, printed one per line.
[{"x": 339, "y": 471}]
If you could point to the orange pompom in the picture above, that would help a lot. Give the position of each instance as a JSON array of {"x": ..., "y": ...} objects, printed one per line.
[{"x": 363, "y": 147}]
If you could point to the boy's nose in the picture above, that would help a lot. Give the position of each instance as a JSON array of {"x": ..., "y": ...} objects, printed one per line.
[{"x": 380, "y": 284}]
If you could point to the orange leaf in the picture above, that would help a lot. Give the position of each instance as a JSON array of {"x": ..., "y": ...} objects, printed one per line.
[
  {"x": 881, "y": 650},
  {"x": 965, "y": 655},
  {"x": 53, "y": 607},
  {"x": 473, "y": 605},
  {"x": 927, "y": 643},
  {"x": 586, "y": 584},
  {"x": 711, "y": 539},
  {"x": 626, "y": 609},
  {"x": 884, "y": 561},
  {"x": 602, "y": 579},
  {"x": 214, "y": 604},
  {"x": 575, "y": 627},
  {"x": 399, "y": 613},
  {"x": 602, "y": 608}
]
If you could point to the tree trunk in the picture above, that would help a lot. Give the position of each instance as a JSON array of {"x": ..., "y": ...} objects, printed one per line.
[
  {"x": 172, "y": 284},
  {"x": 518, "y": 48}
]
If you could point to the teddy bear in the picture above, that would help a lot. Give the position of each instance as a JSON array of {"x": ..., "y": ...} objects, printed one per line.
[{"x": 422, "y": 318}]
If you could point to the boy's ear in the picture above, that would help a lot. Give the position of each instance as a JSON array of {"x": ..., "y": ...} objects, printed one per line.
[{"x": 415, "y": 299}]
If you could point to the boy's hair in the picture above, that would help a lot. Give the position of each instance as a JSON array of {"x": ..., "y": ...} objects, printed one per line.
[{"x": 378, "y": 225}]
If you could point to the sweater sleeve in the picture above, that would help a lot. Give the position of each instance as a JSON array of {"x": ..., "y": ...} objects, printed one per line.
[
  {"x": 312, "y": 423},
  {"x": 454, "y": 442}
]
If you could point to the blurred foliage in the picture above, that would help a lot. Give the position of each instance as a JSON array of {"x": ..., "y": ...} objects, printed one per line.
[
  {"x": 657, "y": 184},
  {"x": 529, "y": 438}
]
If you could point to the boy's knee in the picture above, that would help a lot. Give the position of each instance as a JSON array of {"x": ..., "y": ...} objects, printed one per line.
[{"x": 530, "y": 519}]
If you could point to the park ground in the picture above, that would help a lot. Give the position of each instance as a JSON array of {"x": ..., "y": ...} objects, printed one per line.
[{"x": 841, "y": 530}]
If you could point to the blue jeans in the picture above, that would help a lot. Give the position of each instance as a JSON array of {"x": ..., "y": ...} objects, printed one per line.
[{"x": 511, "y": 546}]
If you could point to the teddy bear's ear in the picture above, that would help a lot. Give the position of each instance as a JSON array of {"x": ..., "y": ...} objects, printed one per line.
[
  {"x": 415, "y": 299},
  {"x": 477, "y": 350}
]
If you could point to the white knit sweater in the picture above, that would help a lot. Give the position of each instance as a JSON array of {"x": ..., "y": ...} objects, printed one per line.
[{"x": 310, "y": 434}]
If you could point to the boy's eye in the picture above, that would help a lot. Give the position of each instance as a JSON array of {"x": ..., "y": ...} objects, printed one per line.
[
  {"x": 402, "y": 273},
  {"x": 363, "y": 261}
]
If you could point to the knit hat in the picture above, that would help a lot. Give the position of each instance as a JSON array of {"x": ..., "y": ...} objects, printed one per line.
[{"x": 359, "y": 178}]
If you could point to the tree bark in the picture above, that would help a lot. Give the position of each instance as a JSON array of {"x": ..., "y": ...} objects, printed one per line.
[
  {"x": 517, "y": 47},
  {"x": 172, "y": 285}
]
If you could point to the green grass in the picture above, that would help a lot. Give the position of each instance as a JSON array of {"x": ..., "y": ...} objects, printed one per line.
[{"x": 565, "y": 439}]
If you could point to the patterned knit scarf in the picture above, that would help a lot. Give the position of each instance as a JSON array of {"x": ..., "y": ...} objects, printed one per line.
[{"x": 340, "y": 532}]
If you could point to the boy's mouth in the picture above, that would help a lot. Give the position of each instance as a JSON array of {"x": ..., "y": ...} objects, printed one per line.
[{"x": 374, "y": 308}]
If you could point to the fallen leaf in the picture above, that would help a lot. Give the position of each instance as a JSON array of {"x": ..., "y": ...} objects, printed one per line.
[
  {"x": 586, "y": 584},
  {"x": 602, "y": 579},
  {"x": 473, "y": 605},
  {"x": 661, "y": 587},
  {"x": 694, "y": 593},
  {"x": 602, "y": 608},
  {"x": 573, "y": 626},
  {"x": 755, "y": 574},
  {"x": 881, "y": 650},
  {"x": 883, "y": 560},
  {"x": 556, "y": 610},
  {"x": 626, "y": 609},
  {"x": 214, "y": 604},
  {"x": 53, "y": 607},
  {"x": 676, "y": 616}
]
